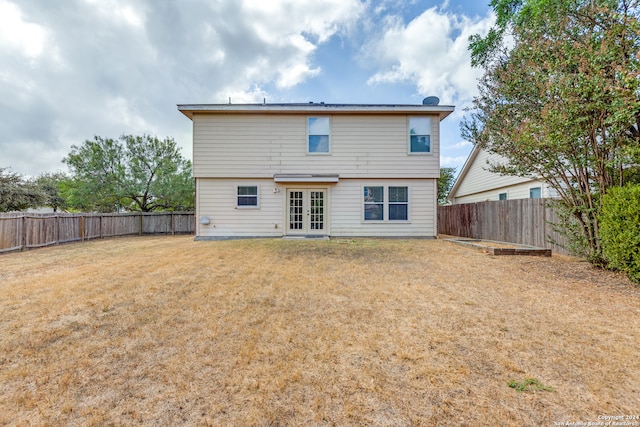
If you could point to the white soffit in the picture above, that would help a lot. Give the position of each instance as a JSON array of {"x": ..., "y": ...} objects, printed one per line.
[{"x": 297, "y": 177}]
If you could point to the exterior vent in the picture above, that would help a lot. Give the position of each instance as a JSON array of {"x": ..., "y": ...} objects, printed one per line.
[{"x": 431, "y": 100}]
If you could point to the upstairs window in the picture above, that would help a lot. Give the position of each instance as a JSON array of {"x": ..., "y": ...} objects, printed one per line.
[
  {"x": 502, "y": 196},
  {"x": 419, "y": 134},
  {"x": 318, "y": 129},
  {"x": 247, "y": 196}
]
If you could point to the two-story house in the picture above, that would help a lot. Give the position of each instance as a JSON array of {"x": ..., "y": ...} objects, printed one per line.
[{"x": 315, "y": 170}]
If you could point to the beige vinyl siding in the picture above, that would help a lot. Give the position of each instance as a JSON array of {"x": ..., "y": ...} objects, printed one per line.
[
  {"x": 261, "y": 145},
  {"x": 217, "y": 200},
  {"x": 347, "y": 209},
  {"x": 516, "y": 191},
  {"x": 479, "y": 180}
]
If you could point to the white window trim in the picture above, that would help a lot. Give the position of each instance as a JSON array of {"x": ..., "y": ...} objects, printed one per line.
[
  {"x": 419, "y": 153},
  {"x": 315, "y": 153},
  {"x": 385, "y": 205},
  {"x": 388, "y": 203},
  {"x": 244, "y": 207}
]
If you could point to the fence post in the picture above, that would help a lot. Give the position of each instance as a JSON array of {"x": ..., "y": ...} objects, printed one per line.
[
  {"x": 56, "y": 229},
  {"x": 23, "y": 234}
]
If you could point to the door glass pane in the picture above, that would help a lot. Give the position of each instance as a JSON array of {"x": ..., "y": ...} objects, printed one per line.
[
  {"x": 295, "y": 210},
  {"x": 316, "y": 217}
]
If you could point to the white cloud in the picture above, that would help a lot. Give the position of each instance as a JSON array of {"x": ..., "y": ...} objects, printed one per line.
[
  {"x": 119, "y": 12},
  {"x": 431, "y": 52},
  {"x": 274, "y": 19},
  {"x": 451, "y": 161},
  {"x": 24, "y": 37},
  {"x": 286, "y": 33},
  {"x": 462, "y": 144}
]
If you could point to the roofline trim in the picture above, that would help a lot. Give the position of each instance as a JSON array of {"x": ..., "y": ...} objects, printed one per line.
[{"x": 190, "y": 110}]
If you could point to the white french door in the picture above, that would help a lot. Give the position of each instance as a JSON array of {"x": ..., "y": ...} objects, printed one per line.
[{"x": 306, "y": 211}]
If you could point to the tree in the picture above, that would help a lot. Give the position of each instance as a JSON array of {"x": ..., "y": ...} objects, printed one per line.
[
  {"x": 447, "y": 177},
  {"x": 16, "y": 193},
  {"x": 51, "y": 185},
  {"x": 137, "y": 173},
  {"x": 559, "y": 101}
]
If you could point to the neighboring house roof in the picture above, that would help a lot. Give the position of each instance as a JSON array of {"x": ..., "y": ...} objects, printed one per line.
[
  {"x": 313, "y": 107},
  {"x": 475, "y": 169}
]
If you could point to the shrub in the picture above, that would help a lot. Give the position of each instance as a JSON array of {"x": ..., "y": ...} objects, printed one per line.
[{"x": 620, "y": 229}]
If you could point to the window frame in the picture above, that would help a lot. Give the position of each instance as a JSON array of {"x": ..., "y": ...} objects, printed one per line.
[
  {"x": 539, "y": 189},
  {"x": 500, "y": 196},
  {"x": 398, "y": 203},
  {"x": 309, "y": 135},
  {"x": 409, "y": 135},
  {"x": 257, "y": 197},
  {"x": 366, "y": 203},
  {"x": 385, "y": 203}
]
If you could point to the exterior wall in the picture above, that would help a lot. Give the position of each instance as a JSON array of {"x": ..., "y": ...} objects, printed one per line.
[
  {"x": 261, "y": 145},
  {"x": 216, "y": 200},
  {"x": 479, "y": 180},
  {"x": 515, "y": 191},
  {"x": 347, "y": 210}
]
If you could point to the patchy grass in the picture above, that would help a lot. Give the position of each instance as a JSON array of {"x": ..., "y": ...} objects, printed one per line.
[
  {"x": 529, "y": 384},
  {"x": 168, "y": 331}
]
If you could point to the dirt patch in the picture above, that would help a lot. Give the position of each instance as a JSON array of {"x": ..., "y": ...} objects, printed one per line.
[{"x": 168, "y": 331}]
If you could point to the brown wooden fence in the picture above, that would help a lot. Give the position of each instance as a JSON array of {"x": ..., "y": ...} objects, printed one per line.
[
  {"x": 20, "y": 231},
  {"x": 522, "y": 221}
]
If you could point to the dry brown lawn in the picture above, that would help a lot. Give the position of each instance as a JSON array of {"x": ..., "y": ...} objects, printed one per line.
[{"x": 165, "y": 331}]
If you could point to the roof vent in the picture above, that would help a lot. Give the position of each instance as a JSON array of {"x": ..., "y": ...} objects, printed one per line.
[{"x": 431, "y": 100}]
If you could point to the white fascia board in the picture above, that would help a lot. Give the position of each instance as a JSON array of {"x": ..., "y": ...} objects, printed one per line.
[{"x": 316, "y": 108}]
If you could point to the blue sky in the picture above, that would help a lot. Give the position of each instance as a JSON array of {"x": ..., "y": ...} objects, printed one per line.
[{"x": 73, "y": 69}]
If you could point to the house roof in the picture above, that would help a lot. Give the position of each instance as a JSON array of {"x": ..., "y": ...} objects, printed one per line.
[{"x": 315, "y": 108}]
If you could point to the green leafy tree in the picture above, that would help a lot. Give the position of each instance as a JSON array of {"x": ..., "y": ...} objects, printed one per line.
[
  {"x": 559, "y": 101},
  {"x": 18, "y": 194},
  {"x": 447, "y": 177},
  {"x": 51, "y": 184},
  {"x": 137, "y": 173}
]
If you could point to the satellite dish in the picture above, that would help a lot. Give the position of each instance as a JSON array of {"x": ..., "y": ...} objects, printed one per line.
[{"x": 431, "y": 100}]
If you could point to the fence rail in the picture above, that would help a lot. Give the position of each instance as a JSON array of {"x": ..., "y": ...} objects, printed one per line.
[
  {"x": 20, "y": 231},
  {"x": 522, "y": 221}
]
